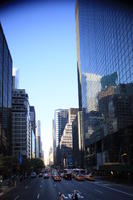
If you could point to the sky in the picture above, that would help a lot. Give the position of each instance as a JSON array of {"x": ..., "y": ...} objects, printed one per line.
[{"x": 42, "y": 41}]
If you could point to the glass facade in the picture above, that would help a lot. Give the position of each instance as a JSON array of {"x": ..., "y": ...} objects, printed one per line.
[
  {"x": 5, "y": 95},
  {"x": 105, "y": 48}
]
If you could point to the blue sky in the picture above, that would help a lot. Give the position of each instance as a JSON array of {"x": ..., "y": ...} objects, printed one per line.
[{"x": 42, "y": 41}]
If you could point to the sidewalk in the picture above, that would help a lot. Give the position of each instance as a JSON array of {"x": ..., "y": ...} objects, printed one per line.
[{"x": 5, "y": 187}]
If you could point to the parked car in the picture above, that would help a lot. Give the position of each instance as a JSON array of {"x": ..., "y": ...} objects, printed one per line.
[{"x": 33, "y": 175}]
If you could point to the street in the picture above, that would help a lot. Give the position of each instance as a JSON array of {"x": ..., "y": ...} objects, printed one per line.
[{"x": 47, "y": 189}]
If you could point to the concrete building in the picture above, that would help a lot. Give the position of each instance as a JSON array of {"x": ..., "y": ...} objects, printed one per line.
[
  {"x": 39, "y": 151},
  {"x": 5, "y": 95},
  {"x": 33, "y": 131},
  {"x": 21, "y": 124},
  {"x": 60, "y": 120},
  {"x": 66, "y": 142}
]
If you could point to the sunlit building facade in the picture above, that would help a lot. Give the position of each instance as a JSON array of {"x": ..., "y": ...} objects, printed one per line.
[
  {"x": 104, "y": 47},
  {"x": 21, "y": 124},
  {"x": 5, "y": 95},
  {"x": 66, "y": 142},
  {"x": 33, "y": 131},
  {"x": 91, "y": 86},
  {"x": 60, "y": 120}
]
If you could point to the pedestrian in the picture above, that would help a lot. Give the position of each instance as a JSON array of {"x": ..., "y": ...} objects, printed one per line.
[
  {"x": 60, "y": 196},
  {"x": 75, "y": 195}
]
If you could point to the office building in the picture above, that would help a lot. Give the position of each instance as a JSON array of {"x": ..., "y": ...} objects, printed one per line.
[
  {"x": 5, "y": 95},
  {"x": 21, "y": 124},
  {"x": 39, "y": 151},
  {"x": 104, "y": 47},
  {"x": 91, "y": 86},
  {"x": 60, "y": 119},
  {"x": 66, "y": 142},
  {"x": 33, "y": 131}
]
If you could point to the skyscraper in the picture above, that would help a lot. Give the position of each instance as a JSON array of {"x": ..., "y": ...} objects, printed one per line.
[
  {"x": 104, "y": 41},
  {"x": 104, "y": 47},
  {"x": 66, "y": 142},
  {"x": 5, "y": 95},
  {"x": 39, "y": 151},
  {"x": 21, "y": 124},
  {"x": 60, "y": 120},
  {"x": 92, "y": 85},
  {"x": 33, "y": 131}
]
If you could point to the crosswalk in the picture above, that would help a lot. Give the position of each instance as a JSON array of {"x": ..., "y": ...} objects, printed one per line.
[{"x": 69, "y": 196}]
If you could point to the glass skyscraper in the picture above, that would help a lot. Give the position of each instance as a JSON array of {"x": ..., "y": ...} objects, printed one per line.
[
  {"x": 105, "y": 39},
  {"x": 104, "y": 31},
  {"x": 5, "y": 95}
]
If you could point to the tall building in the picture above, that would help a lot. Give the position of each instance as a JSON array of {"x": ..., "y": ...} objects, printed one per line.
[
  {"x": 21, "y": 124},
  {"x": 54, "y": 141},
  {"x": 104, "y": 40},
  {"x": 33, "y": 131},
  {"x": 5, "y": 95},
  {"x": 60, "y": 119},
  {"x": 104, "y": 47},
  {"x": 66, "y": 142},
  {"x": 92, "y": 85},
  {"x": 15, "y": 78},
  {"x": 39, "y": 152}
]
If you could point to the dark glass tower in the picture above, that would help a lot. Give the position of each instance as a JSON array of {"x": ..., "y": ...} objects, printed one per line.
[
  {"x": 104, "y": 40},
  {"x": 105, "y": 52},
  {"x": 5, "y": 95}
]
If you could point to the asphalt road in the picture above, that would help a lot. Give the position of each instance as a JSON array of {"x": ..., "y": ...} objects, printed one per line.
[{"x": 47, "y": 189}]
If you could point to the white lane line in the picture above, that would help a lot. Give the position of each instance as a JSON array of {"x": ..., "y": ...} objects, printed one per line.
[
  {"x": 64, "y": 196},
  {"x": 70, "y": 196},
  {"x": 16, "y": 197},
  {"x": 99, "y": 191},
  {"x": 116, "y": 190},
  {"x": 40, "y": 186},
  {"x": 38, "y": 196}
]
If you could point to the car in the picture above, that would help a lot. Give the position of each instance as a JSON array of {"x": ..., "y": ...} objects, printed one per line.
[
  {"x": 79, "y": 177},
  {"x": 56, "y": 178},
  {"x": 89, "y": 177},
  {"x": 45, "y": 175},
  {"x": 33, "y": 175},
  {"x": 40, "y": 174},
  {"x": 68, "y": 176}
]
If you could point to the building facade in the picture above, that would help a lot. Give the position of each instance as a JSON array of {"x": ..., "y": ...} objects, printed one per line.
[
  {"x": 104, "y": 47},
  {"x": 66, "y": 142},
  {"x": 5, "y": 95},
  {"x": 21, "y": 124},
  {"x": 60, "y": 120},
  {"x": 33, "y": 131},
  {"x": 39, "y": 151}
]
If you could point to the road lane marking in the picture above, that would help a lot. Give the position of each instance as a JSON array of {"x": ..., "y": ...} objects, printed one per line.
[
  {"x": 99, "y": 191},
  {"x": 70, "y": 196},
  {"x": 116, "y": 190},
  {"x": 64, "y": 196},
  {"x": 38, "y": 196},
  {"x": 17, "y": 197},
  {"x": 40, "y": 186},
  {"x": 26, "y": 187}
]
